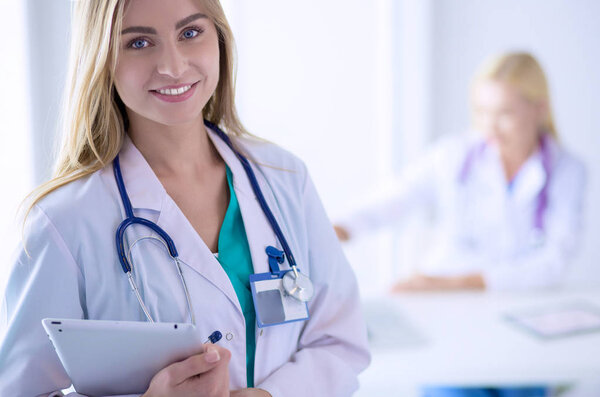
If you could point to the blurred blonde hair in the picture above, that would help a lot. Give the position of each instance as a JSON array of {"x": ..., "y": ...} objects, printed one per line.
[
  {"x": 94, "y": 121},
  {"x": 523, "y": 72}
]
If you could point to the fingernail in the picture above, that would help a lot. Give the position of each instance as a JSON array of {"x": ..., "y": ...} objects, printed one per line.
[{"x": 212, "y": 356}]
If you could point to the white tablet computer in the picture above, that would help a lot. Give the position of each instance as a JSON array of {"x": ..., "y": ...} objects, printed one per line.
[
  {"x": 106, "y": 358},
  {"x": 560, "y": 320}
]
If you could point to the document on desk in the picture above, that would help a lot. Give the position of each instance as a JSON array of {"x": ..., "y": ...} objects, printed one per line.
[
  {"x": 388, "y": 327},
  {"x": 557, "y": 321}
]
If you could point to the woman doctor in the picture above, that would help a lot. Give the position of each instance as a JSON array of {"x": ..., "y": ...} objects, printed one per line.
[
  {"x": 508, "y": 199},
  {"x": 151, "y": 92}
]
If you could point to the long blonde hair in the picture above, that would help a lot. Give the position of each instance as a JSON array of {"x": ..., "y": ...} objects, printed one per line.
[
  {"x": 94, "y": 120},
  {"x": 523, "y": 72}
]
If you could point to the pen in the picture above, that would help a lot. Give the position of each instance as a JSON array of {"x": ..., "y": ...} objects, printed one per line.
[{"x": 214, "y": 337}]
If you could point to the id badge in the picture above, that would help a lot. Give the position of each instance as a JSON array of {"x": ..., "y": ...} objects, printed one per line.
[{"x": 272, "y": 303}]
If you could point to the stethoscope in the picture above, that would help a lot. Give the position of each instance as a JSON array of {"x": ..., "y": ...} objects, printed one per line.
[
  {"x": 295, "y": 283},
  {"x": 542, "y": 199}
]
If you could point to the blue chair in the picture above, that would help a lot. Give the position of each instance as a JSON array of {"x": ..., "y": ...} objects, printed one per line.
[{"x": 437, "y": 391}]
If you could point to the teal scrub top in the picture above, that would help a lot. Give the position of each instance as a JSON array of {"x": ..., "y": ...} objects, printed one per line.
[{"x": 234, "y": 256}]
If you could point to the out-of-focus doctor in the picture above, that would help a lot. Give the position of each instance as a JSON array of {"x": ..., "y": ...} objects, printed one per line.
[{"x": 508, "y": 198}]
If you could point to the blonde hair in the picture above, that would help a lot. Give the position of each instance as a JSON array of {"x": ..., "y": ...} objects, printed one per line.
[
  {"x": 523, "y": 72},
  {"x": 94, "y": 118}
]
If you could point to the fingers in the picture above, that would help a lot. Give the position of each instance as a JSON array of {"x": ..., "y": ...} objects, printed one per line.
[
  {"x": 342, "y": 233},
  {"x": 250, "y": 393},
  {"x": 413, "y": 284},
  {"x": 198, "y": 364}
]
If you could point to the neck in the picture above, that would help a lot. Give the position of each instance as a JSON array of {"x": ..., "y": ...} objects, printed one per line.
[
  {"x": 174, "y": 151},
  {"x": 513, "y": 160}
]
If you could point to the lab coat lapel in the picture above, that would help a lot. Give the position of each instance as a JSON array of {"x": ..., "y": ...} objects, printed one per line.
[
  {"x": 143, "y": 187},
  {"x": 488, "y": 176},
  {"x": 530, "y": 179},
  {"x": 258, "y": 230},
  {"x": 193, "y": 251},
  {"x": 146, "y": 192}
]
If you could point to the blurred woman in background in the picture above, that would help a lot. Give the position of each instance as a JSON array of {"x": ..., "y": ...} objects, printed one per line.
[{"x": 508, "y": 199}]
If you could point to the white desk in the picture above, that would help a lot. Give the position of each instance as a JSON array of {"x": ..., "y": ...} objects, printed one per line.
[{"x": 464, "y": 339}]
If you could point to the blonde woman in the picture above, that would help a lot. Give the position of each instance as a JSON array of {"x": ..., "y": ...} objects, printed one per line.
[
  {"x": 154, "y": 152},
  {"x": 508, "y": 198}
]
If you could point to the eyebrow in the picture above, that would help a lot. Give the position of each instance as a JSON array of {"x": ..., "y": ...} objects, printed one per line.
[{"x": 149, "y": 30}]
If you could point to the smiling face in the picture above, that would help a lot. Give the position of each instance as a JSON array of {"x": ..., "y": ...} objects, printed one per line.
[
  {"x": 505, "y": 117},
  {"x": 168, "y": 63}
]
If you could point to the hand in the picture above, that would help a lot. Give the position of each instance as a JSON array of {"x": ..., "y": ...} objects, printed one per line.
[
  {"x": 250, "y": 393},
  {"x": 205, "y": 374},
  {"x": 342, "y": 233},
  {"x": 419, "y": 283}
]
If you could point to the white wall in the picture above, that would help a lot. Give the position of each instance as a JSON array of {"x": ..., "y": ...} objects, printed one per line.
[
  {"x": 565, "y": 36},
  {"x": 34, "y": 42},
  {"x": 48, "y": 25},
  {"x": 316, "y": 78},
  {"x": 16, "y": 171}
]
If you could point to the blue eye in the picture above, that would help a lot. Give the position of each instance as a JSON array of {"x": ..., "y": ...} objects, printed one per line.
[
  {"x": 139, "y": 43},
  {"x": 190, "y": 33}
]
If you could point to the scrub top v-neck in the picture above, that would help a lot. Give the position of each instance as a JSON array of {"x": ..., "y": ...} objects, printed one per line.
[{"x": 234, "y": 256}]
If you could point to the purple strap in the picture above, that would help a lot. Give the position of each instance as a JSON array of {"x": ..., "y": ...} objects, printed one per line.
[{"x": 543, "y": 195}]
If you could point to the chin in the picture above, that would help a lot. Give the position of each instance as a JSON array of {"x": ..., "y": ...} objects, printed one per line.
[
  {"x": 180, "y": 121},
  {"x": 178, "y": 118}
]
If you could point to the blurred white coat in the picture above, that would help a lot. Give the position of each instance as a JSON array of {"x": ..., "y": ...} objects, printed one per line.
[{"x": 482, "y": 225}]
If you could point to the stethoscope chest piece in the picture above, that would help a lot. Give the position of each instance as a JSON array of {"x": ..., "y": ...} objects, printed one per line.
[{"x": 298, "y": 286}]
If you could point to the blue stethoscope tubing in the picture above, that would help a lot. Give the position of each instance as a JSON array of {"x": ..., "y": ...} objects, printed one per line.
[{"x": 132, "y": 220}]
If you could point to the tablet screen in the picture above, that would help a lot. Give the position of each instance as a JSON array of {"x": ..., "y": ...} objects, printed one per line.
[
  {"x": 119, "y": 357},
  {"x": 561, "y": 320}
]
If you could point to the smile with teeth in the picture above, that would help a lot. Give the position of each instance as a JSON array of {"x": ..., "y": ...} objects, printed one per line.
[{"x": 175, "y": 91}]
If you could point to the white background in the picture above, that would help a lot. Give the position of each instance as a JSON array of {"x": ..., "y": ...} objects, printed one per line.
[{"x": 355, "y": 88}]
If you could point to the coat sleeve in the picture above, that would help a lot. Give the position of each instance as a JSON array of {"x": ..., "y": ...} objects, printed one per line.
[
  {"x": 546, "y": 264},
  {"x": 333, "y": 348},
  {"x": 417, "y": 187},
  {"x": 45, "y": 281}
]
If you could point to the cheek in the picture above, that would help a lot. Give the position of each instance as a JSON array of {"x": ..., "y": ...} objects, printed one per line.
[
  {"x": 208, "y": 58},
  {"x": 128, "y": 80},
  {"x": 525, "y": 123}
]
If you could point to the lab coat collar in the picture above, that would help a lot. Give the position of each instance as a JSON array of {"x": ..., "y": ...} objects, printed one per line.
[
  {"x": 529, "y": 180},
  {"x": 143, "y": 186}
]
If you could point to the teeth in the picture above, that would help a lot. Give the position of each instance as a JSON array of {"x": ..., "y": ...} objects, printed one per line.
[{"x": 175, "y": 91}]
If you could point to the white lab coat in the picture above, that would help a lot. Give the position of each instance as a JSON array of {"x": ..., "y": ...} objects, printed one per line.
[
  {"x": 73, "y": 272},
  {"x": 481, "y": 226}
]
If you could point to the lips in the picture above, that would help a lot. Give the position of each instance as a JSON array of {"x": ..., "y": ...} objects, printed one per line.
[{"x": 174, "y": 93}]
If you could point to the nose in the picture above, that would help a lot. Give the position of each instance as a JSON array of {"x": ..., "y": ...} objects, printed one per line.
[{"x": 171, "y": 62}]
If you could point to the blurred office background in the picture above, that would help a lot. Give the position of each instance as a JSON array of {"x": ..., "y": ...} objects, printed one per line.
[{"x": 356, "y": 88}]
